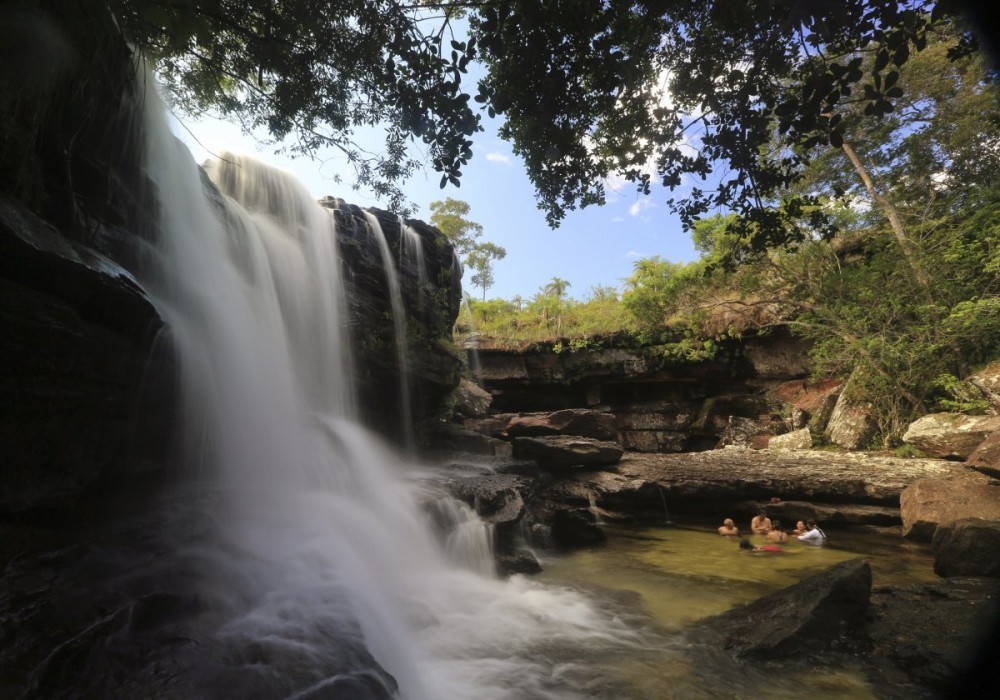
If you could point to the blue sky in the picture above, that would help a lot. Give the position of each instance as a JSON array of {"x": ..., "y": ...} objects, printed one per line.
[{"x": 594, "y": 246}]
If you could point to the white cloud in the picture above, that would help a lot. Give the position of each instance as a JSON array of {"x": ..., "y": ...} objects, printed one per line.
[
  {"x": 639, "y": 206},
  {"x": 498, "y": 158},
  {"x": 634, "y": 254}
]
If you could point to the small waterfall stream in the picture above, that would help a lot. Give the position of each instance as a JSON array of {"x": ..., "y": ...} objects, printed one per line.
[
  {"x": 398, "y": 321},
  {"x": 329, "y": 578},
  {"x": 411, "y": 248}
]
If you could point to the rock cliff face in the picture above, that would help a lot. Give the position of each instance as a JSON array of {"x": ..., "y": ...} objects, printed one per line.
[
  {"x": 662, "y": 404},
  {"x": 86, "y": 375},
  {"x": 85, "y": 388},
  {"x": 431, "y": 297}
]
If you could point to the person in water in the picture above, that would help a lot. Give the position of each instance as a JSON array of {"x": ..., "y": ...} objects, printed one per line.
[
  {"x": 800, "y": 528},
  {"x": 777, "y": 533},
  {"x": 813, "y": 535},
  {"x": 767, "y": 548},
  {"x": 760, "y": 525},
  {"x": 728, "y": 528}
]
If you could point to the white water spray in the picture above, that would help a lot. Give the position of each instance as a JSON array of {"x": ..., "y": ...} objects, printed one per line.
[{"x": 324, "y": 549}]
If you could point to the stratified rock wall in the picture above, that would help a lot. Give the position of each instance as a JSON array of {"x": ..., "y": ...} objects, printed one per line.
[{"x": 661, "y": 403}]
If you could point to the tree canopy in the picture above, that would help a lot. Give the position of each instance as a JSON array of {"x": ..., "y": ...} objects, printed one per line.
[
  {"x": 691, "y": 94},
  {"x": 316, "y": 72},
  {"x": 723, "y": 103},
  {"x": 449, "y": 217}
]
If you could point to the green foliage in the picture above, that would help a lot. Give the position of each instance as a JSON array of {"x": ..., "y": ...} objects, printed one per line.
[
  {"x": 704, "y": 82},
  {"x": 449, "y": 217},
  {"x": 316, "y": 72},
  {"x": 909, "y": 452},
  {"x": 480, "y": 261},
  {"x": 957, "y": 396},
  {"x": 655, "y": 288}
]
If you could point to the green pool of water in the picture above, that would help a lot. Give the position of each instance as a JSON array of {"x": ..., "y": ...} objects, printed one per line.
[{"x": 678, "y": 575}]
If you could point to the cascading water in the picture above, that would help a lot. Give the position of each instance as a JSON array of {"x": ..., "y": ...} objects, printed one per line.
[
  {"x": 471, "y": 344},
  {"x": 398, "y": 321},
  {"x": 327, "y": 578},
  {"x": 411, "y": 248}
]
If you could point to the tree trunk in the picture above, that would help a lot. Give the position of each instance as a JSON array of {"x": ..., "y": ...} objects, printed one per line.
[{"x": 895, "y": 222}]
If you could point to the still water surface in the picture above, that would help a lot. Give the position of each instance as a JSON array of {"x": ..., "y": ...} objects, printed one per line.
[{"x": 677, "y": 576}]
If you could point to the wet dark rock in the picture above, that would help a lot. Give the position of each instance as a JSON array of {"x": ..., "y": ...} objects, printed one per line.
[
  {"x": 575, "y": 528},
  {"x": 562, "y": 452},
  {"x": 127, "y": 605},
  {"x": 941, "y": 635},
  {"x": 967, "y": 547},
  {"x": 87, "y": 399},
  {"x": 497, "y": 498},
  {"x": 825, "y": 610},
  {"x": 521, "y": 561}
]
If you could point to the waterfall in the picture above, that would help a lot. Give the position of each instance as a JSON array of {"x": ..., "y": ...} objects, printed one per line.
[
  {"x": 398, "y": 321},
  {"x": 328, "y": 576},
  {"x": 471, "y": 344},
  {"x": 411, "y": 248}
]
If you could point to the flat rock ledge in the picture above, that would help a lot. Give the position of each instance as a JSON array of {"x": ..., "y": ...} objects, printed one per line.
[{"x": 648, "y": 482}]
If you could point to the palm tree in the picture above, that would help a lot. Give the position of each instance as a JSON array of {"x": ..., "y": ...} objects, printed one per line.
[{"x": 556, "y": 287}]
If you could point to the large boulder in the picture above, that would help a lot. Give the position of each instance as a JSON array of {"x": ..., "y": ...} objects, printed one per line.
[
  {"x": 986, "y": 457},
  {"x": 577, "y": 421},
  {"x": 850, "y": 425},
  {"x": 471, "y": 400},
  {"x": 496, "y": 498},
  {"x": 967, "y": 547},
  {"x": 795, "y": 440},
  {"x": 927, "y": 503},
  {"x": 950, "y": 435},
  {"x": 559, "y": 452},
  {"x": 819, "y": 611}
]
